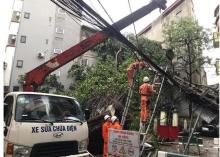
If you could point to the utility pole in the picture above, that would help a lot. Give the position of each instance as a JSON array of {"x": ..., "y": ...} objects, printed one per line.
[{"x": 190, "y": 75}]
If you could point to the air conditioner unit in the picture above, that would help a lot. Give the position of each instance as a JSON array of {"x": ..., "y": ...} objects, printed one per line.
[
  {"x": 13, "y": 37},
  {"x": 17, "y": 14},
  {"x": 57, "y": 51},
  {"x": 40, "y": 55}
]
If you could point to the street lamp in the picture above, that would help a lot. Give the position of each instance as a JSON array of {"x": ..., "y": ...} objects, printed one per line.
[{"x": 116, "y": 58}]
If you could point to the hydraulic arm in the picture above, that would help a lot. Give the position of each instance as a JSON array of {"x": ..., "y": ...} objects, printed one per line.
[{"x": 35, "y": 77}]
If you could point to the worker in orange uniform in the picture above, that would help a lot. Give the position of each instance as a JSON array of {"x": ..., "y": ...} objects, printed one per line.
[
  {"x": 132, "y": 68},
  {"x": 115, "y": 123},
  {"x": 106, "y": 125},
  {"x": 145, "y": 90}
]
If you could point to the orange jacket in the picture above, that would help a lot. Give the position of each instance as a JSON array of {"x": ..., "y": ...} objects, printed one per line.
[
  {"x": 116, "y": 125},
  {"x": 132, "y": 68},
  {"x": 146, "y": 90},
  {"x": 105, "y": 128}
]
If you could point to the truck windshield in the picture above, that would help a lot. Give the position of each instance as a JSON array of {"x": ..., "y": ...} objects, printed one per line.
[{"x": 42, "y": 108}]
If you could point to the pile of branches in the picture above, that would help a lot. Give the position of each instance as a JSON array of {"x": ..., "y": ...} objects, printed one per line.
[{"x": 113, "y": 104}]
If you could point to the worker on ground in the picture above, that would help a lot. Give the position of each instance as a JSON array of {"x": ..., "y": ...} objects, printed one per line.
[
  {"x": 106, "y": 125},
  {"x": 145, "y": 90},
  {"x": 115, "y": 123}
]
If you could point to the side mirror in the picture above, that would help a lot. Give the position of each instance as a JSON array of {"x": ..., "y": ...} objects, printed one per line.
[{"x": 87, "y": 113}]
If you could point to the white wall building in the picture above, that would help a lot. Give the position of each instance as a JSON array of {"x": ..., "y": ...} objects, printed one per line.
[
  {"x": 44, "y": 31},
  {"x": 180, "y": 8}
]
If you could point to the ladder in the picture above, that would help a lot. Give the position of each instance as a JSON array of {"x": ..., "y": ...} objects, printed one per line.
[
  {"x": 127, "y": 104},
  {"x": 142, "y": 126},
  {"x": 155, "y": 107}
]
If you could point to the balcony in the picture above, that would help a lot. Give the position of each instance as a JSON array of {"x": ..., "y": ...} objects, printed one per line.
[{"x": 16, "y": 16}]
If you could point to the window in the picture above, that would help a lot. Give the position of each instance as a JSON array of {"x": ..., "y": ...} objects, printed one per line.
[
  {"x": 8, "y": 104},
  {"x": 5, "y": 65},
  {"x": 23, "y": 39},
  {"x": 59, "y": 30},
  {"x": 19, "y": 63},
  {"x": 35, "y": 108},
  {"x": 178, "y": 14},
  {"x": 59, "y": 38},
  {"x": 84, "y": 62},
  {"x": 57, "y": 51},
  {"x": 58, "y": 74},
  {"x": 50, "y": 19},
  {"x": 15, "y": 88},
  {"x": 61, "y": 11},
  {"x": 26, "y": 15}
]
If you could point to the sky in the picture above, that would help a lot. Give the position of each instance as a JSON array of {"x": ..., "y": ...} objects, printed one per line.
[{"x": 118, "y": 9}]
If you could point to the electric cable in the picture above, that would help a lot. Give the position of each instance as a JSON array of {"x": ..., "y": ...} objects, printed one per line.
[
  {"x": 76, "y": 10},
  {"x": 105, "y": 11},
  {"x": 129, "y": 4},
  {"x": 109, "y": 29}
]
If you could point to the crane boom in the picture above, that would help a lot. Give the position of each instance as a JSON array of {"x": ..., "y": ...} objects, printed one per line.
[{"x": 36, "y": 76}]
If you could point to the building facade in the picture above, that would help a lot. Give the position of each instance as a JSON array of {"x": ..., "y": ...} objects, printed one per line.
[
  {"x": 217, "y": 21},
  {"x": 180, "y": 8},
  {"x": 154, "y": 31},
  {"x": 44, "y": 31},
  {"x": 90, "y": 57},
  {"x": 217, "y": 25},
  {"x": 216, "y": 41}
]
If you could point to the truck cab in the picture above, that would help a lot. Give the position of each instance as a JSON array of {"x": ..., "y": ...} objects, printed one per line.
[{"x": 43, "y": 125}]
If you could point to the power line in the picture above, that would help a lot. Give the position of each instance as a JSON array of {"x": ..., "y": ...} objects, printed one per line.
[
  {"x": 76, "y": 10},
  {"x": 105, "y": 11},
  {"x": 129, "y": 4}
]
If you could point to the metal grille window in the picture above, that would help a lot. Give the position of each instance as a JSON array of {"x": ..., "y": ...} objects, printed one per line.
[
  {"x": 84, "y": 62},
  {"x": 26, "y": 15},
  {"x": 19, "y": 63},
  {"x": 23, "y": 39}
]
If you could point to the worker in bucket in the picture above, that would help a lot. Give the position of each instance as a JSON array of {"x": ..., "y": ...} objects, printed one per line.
[
  {"x": 146, "y": 90},
  {"x": 106, "y": 125},
  {"x": 115, "y": 123}
]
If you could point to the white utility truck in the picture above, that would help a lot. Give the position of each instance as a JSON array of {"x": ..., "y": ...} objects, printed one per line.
[{"x": 43, "y": 125}]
